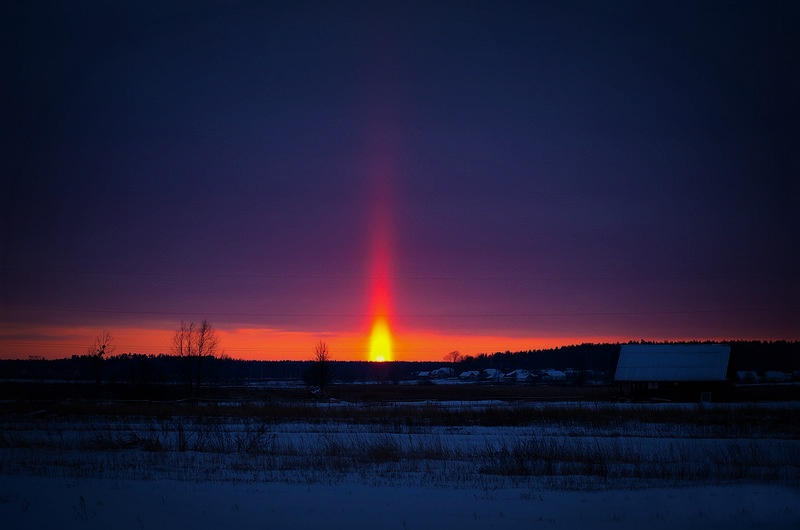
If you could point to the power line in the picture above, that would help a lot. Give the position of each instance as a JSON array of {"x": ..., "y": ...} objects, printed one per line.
[
  {"x": 403, "y": 315},
  {"x": 226, "y": 349},
  {"x": 400, "y": 277}
]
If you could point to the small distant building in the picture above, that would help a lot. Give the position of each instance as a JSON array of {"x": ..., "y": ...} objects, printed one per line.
[
  {"x": 775, "y": 377},
  {"x": 470, "y": 375},
  {"x": 492, "y": 374},
  {"x": 747, "y": 377},
  {"x": 519, "y": 376},
  {"x": 442, "y": 373},
  {"x": 553, "y": 376},
  {"x": 674, "y": 372}
]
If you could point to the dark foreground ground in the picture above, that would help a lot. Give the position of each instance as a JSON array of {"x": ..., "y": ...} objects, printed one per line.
[{"x": 17, "y": 390}]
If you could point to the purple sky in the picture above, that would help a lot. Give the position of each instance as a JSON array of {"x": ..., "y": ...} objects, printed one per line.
[{"x": 563, "y": 169}]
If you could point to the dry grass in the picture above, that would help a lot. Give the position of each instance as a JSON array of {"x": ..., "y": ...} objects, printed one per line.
[
  {"x": 443, "y": 442},
  {"x": 723, "y": 421}
]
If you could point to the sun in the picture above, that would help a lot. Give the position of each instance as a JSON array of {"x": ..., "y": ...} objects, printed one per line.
[{"x": 380, "y": 341}]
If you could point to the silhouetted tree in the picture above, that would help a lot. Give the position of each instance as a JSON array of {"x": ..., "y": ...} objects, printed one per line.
[
  {"x": 195, "y": 345},
  {"x": 320, "y": 372},
  {"x": 454, "y": 357},
  {"x": 101, "y": 346}
]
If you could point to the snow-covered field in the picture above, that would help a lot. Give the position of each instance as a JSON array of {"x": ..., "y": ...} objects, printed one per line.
[
  {"x": 36, "y": 502},
  {"x": 467, "y": 465}
]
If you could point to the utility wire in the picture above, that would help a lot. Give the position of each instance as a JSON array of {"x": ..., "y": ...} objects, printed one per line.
[
  {"x": 404, "y": 315},
  {"x": 400, "y": 277}
]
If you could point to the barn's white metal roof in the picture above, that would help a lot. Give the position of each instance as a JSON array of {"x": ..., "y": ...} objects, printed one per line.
[{"x": 673, "y": 362}]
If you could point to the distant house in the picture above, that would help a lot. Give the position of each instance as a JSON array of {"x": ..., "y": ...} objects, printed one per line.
[
  {"x": 553, "y": 376},
  {"x": 775, "y": 377},
  {"x": 492, "y": 374},
  {"x": 747, "y": 377},
  {"x": 519, "y": 376},
  {"x": 442, "y": 373},
  {"x": 470, "y": 375},
  {"x": 674, "y": 372}
]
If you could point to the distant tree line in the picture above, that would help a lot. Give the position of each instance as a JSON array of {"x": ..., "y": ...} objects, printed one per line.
[
  {"x": 143, "y": 370},
  {"x": 597, "y": 357}
]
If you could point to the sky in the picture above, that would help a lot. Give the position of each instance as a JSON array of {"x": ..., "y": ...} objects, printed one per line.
[{"x": 477, "y": 176}]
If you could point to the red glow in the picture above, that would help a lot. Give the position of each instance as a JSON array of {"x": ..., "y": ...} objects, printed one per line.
[
  {"x": 254, "y": 343},
  {"x": 380, "y": 346}
]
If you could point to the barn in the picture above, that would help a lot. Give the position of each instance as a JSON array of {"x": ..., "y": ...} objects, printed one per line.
[{"x": 674, "y": 372}]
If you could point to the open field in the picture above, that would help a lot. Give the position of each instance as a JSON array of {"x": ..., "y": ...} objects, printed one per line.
[
  {"x": 22, "y": 391},
  {"x": 36, "y": 502},
  {"x": 580, "y": 445},
  {"x": 512, "y": 451}
]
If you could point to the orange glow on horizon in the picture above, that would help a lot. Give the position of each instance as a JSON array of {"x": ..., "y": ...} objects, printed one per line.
[
  {"x": 380, "y": 341},
  {"x": 380, "y": 338},
  {"x": 255, "y": 343}
]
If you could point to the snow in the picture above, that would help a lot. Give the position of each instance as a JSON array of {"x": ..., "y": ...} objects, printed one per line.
[
  {"x": 245, "y": 472},
  {"x": 672, "y": 362},
  {"x": 36, "y": 502}
]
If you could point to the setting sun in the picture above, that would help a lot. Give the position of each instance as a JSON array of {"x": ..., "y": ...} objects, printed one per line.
[{"x": 380, "y": 341}]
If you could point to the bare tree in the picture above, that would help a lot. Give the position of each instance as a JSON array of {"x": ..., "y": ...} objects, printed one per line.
[
  {"x": 453, "y": 357},
  {"x": 101, "y": 346},
  {"x": 320, "y": 372},
  {"x": 195, "y": 344}
]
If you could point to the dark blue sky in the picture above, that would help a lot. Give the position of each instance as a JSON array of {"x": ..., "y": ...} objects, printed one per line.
[{"x": 586, "y": 169}]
